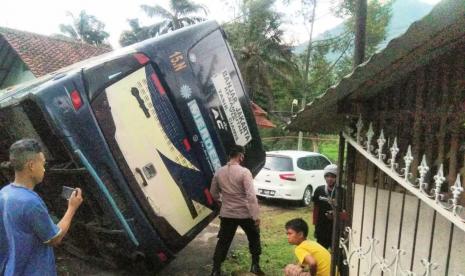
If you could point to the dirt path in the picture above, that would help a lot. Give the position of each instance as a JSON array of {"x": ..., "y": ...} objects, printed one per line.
[{"x": 196, "y": 258}]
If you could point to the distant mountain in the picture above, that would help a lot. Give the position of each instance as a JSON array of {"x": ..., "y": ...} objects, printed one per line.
[{"x": 404, "y": 13}]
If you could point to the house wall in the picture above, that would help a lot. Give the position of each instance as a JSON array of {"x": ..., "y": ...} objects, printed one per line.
[
  {"x": 424, "y": 110},
  {"x": 18, "y": 73}
]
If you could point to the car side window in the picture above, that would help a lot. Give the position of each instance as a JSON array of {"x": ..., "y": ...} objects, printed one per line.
[
  {"x": 322, "y": 162},
  {"x": 307, "y": 163},
  {"x": 278, "y": 163},
  {"x": 302, "y": 163}
]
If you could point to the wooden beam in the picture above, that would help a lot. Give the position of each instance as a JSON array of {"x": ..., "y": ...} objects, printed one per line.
[
  {"x": 444, "y": 107},
  {"x": 460, "y": 90},
  {"x": 417, "y": 125},
  {"x": 430, "y": 121}
]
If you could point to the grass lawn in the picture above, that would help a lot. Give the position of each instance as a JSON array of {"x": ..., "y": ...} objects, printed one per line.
[
  {"x": 330, "y": 149},
  {"x": 276, "y": 252}
]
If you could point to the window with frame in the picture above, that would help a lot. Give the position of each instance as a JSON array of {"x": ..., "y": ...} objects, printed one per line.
[
  {"x": 278, "y": 163},
  {"x": 321, "y": 162},
  {"x": 307, "y": 163}
]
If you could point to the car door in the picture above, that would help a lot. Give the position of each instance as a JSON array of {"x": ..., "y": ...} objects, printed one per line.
[
  {"x": 311, "y": 170},
  {"x": 302, "y": 170},
  {"x": 319, "y": 163},
  {"x": 278, "y": 170},
  {"x": 306, "y": 174}
]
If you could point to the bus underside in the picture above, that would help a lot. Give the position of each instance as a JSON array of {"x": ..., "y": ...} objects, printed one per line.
[{"x": 94, "y": 236}]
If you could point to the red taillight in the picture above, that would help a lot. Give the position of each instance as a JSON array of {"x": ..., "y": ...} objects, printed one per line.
[
  {"x": 186, "y": 143},
  {"x": 76, "y": 99},
  {"x": 288, "y": 176},
  {"x": 141, "y": 58},
  {"x": 162, "y": 256}
]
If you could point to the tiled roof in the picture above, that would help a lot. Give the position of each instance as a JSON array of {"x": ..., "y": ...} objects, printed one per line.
[
  {"x": 260, "y": 117},
  {"x": 257, "y": 110},
  {"x": 45, "y": 54}
]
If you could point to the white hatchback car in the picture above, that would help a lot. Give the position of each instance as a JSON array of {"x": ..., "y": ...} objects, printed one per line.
[{"x": 291, "y": 175}]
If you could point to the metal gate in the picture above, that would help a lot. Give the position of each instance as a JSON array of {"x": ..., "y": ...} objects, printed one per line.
[{"x": 401, "y": 222}]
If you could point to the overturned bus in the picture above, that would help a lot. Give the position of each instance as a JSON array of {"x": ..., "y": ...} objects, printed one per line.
[{"x": 141, "y": 131}]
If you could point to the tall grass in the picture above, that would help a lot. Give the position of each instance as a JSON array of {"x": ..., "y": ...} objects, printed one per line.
[
  {"x": 276, "y": 252},
  {"x": 328, "y": 145}
]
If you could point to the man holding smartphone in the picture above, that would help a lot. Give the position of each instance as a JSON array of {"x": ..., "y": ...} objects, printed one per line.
[{"x": 27, "y": 232}]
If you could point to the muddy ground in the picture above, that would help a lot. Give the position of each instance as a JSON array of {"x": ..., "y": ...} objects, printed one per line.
[{"x": 194, "y": 260}]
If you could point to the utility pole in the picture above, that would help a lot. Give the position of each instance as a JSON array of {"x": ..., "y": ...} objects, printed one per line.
[
  {"x": 360, "y": 31},
  {"x": 307, "y": 67}
]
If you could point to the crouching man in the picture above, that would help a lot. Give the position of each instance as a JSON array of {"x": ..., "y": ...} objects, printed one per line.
[
  {"x": 313, "y": 259},
  {"x": 27, "y": 233}
]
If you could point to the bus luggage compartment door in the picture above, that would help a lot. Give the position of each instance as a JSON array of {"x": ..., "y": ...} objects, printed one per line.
[{"x": 150, "y": 145}]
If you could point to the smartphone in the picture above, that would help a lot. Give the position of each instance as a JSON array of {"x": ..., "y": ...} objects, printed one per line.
[{"x": 67, "y": 192}]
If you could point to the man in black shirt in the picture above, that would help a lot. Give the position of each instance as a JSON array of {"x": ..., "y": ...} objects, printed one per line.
[{"x": 322, "y": 211}]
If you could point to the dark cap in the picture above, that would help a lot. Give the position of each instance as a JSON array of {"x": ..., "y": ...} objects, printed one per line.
[{"x": 235, "y": 150}]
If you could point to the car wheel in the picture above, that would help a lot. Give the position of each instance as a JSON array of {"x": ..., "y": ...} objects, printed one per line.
[{"x": 307, "y": 196}]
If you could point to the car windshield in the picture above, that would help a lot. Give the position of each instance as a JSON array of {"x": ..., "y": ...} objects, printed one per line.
[{"x": 278, "y": 163}]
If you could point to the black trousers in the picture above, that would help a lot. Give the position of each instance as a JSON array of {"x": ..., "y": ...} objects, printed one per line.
[
  {"x": 228, "y": 227},
  {"x": 324, "y": 240},
  {"x": 324, "y": 237}
]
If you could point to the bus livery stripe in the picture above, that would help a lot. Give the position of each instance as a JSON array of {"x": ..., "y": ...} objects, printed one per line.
[{"x": 158, "y": 85}]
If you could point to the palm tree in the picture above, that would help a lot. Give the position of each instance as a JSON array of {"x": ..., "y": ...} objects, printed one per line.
[
  {"x": 86, "y": 28},
  {"x": 181, "y": 13},
  {"x": 261, "y": 54},
  {"x": 136, "y": 34}
]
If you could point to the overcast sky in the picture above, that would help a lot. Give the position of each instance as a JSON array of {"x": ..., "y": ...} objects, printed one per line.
[{"x": 44, "y": 16}]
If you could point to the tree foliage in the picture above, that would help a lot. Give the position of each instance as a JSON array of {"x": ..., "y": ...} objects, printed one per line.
[
  {"x": 181, "y": 13},
  {"x": 264, "y": 59},
  {"x": 379, "y": 14},
  {"x": 136, "y": 34},
  {"x": 332, "y": 56},
  {"x": 85, "y": 27},
  {"x": 274, "y": 75}
]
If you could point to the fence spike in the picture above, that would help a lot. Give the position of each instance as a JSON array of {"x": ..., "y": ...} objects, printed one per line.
[
  {"x": 438, "y": 181},
  {"x": 381, "y": 141},
  {"x": 423, "y": 170},
  {"x": 408, "y": 159},
  {"x": 457, "y": 189},
  {"x": 394, "y": 151},
  {"x": 370, "y": 134}
]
